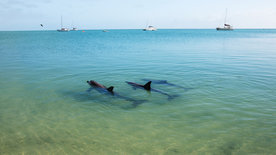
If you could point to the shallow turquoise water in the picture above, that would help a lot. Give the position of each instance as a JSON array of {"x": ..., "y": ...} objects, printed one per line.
[{"x": 228, "y": 106}]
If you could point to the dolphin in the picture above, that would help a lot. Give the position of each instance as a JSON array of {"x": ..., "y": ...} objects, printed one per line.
[
  {"x": 167, "y": 83},
  {"x": 102, "y": 89},
  {"x": 148, "y": 88}
]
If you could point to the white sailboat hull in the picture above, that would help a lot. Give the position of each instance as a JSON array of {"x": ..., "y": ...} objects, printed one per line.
[
  {"x": 224, "y": 29},
  {"x": 63, "y": 30},
  {"x": 150, "y": 28}
]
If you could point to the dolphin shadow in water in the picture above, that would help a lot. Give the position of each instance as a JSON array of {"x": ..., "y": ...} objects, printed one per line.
[
  {"x": 148, "y": 88},
  {"x": 109, "y": 91},
  {"x": 165, "y": 82}
]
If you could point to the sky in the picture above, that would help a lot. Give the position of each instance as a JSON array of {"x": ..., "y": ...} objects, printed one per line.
[{"x": 135, "y": 14}]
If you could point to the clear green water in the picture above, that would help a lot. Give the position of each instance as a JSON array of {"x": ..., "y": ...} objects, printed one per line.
[{"x": 230, "y": 108}]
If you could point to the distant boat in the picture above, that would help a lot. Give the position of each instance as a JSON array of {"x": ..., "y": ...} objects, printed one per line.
[
  {"x": 74, "y": 29},
  {"x": 105, "y": 31},
  {"x": 226, "y": 27},
  {"x": 150, "y": 28},
  {"x": 62, "y": 29}
]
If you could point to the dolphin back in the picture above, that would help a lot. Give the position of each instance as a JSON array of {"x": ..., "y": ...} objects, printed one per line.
[
  {"x": 110, "y": 89},
  {"x": 147, "y": 85}
]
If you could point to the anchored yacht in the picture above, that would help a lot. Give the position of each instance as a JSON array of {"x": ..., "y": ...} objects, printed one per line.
[
  {"x": 150, "y": 28},
  {"x": 62, "y": 29},
  {"x": 226, "y": 27}
]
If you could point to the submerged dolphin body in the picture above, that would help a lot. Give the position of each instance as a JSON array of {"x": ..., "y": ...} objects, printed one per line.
[
  {"x": 167, "y": 83},
  {"x": 97, "y": 85},
  {"x": 102, "y": 89},
  {"x": 148, "y": 88}
]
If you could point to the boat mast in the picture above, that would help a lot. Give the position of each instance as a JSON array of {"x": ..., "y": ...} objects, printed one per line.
[
  {"x": 225, "y": 16},
  {"x": 61, "y": 22}
]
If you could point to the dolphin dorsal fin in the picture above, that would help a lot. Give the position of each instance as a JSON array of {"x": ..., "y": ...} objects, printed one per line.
[
  {"x": 147, "y": 85},
  {"x": 110, "y": 89}
]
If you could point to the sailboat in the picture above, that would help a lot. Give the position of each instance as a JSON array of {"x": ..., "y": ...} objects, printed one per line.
[
  {"x": 150, "y": 28},
  {"x": 226, "y": 27},
  {"x": 62, "y": 29},
  {"x": 74, "y": 28}
]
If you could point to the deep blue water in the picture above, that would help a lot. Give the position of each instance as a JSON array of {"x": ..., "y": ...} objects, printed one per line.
[{"x": 226, "y": 104}]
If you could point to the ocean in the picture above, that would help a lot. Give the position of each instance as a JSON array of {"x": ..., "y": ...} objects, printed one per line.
[{"x": 223, "y": 85}]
